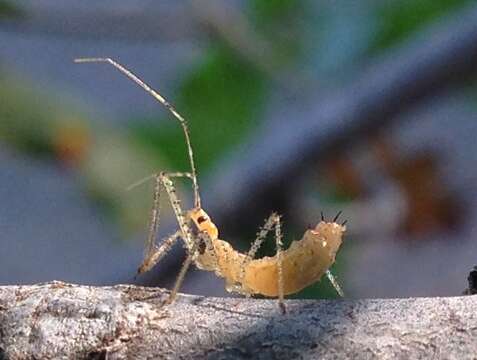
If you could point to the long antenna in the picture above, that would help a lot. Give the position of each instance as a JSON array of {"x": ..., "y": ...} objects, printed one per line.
[{"x": 164, "y": 102}]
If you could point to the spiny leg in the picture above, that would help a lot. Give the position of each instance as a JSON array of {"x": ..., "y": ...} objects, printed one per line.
[
  {"x": 334, "y": 282},
  {"x": 279, "y": 245},
  {"x": 165, "y": 179},
  {"x": 261, "y": 237},
  {"x": 153, "y": 227},
  {"x": 152, "y": 176},
  {"x": 262, "y": 234},
  {"x": 157, "y": 253},
  {"x": 181, "y": 276},
  {"x": 190, "y": 241},
  {"x": 202, "y": 237},
  {"x": 273, "y": 221},
  {"x": 153, "y": 254},
  {"x": 329, "y": 275}
]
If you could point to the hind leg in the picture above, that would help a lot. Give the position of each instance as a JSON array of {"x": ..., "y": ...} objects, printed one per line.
[
  {"x": 335, "y": 284},
  {"x": 272, "y": 222}
]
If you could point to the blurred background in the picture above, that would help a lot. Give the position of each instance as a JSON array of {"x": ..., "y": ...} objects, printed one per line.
[{"x": 298, "y": 107}]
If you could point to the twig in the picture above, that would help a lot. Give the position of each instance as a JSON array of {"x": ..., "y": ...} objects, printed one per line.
[{"x": 59, "y": 320}]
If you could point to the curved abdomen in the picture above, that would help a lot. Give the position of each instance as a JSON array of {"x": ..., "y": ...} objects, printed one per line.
[{"x": 303, "y": 263}]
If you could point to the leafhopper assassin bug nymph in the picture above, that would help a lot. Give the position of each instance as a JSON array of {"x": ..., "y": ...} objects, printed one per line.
[{"x": 289, "y": 271}]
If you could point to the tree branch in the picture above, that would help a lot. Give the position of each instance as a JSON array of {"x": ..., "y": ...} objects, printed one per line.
[
  {"x": 141, "y": 22},
  {"x": 59, "y": 320}
]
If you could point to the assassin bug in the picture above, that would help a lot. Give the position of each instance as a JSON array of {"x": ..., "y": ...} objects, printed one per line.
[{"x": 288, "y": 272}]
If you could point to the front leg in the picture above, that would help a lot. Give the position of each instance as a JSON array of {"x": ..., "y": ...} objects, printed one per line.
[
  {"x": 155, "y": 254},
  {"x": 165, "y": 180},
  {"x": 152, "y": 253}
]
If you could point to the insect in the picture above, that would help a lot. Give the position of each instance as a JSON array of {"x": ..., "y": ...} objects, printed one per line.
[{"x": 288, "y": 272}]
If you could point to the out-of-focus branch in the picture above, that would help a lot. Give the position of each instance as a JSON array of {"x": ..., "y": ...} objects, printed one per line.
[
  {"x": 130, "y": 22},
  {"x": 141, "y": 22},
  {"x": 232, "y": 26},
  {"x": 443, "y": 55},
  {"x": 58, "y": 320}
]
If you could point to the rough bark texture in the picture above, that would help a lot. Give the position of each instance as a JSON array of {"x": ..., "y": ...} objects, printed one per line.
[{"x": 64, "y": 321}]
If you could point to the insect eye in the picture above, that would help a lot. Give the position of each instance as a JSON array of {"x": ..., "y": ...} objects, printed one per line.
[{"x": 201, "y": 219}]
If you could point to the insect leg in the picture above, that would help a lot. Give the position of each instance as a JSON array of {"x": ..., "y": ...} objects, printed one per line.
[
  {"x": 152, "y": 254},
  {"x": 179, "y": 174},
  {"x": 279, "y": 245},
  {"x": 202, "y": 237},
  {"x": 189, "y": 239},
  {"x": 273, "y": 221},
  {"x": 155, "y": 254},
  {"x": 334, "y": 283},
  {"x": 165, "y": 179},
  {"x": 154, "y": 218},
  {"x": 262, "y": 234},
  {"x": 181, "y": 276}
]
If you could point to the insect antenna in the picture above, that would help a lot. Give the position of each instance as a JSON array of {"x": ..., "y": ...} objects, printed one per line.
[
  {"x": 164, "y": 102},
  {"x": 344, "y": 222}
]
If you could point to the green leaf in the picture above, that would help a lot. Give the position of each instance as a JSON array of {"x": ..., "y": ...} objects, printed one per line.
[
  {"x": 8, "y": 10},
  {"x": 400, "y": 18}
]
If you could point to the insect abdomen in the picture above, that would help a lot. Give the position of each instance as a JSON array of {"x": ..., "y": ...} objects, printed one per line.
[{"x": 304, "y": 263}]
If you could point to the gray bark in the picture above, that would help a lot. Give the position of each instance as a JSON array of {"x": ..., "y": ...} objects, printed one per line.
[{"x": 64, "y": 321}]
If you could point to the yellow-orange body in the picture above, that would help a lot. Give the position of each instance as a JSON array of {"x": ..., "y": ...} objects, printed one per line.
[{"x": 303, "y": 263}]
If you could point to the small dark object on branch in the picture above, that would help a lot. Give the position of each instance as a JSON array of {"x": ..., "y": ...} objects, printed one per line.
[{"x": 472, "y": 278}]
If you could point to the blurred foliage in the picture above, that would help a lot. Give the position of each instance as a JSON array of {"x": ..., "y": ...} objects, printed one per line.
[
  {"x": 400, "y": 18},
  {"x": 8, "y": 10},
  {"x": 33, "y": 123},
  {"x": 27, "y": 119},
  {"x": 281, "y": 23},
  {"x": 273, "y": 10},
  {"x": 222, "y": 96}
]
